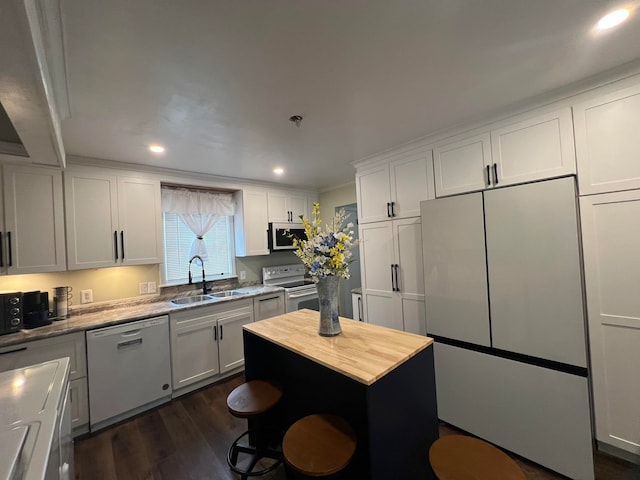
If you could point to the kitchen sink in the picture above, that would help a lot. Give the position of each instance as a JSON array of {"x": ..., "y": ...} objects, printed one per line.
[
  {"x": 227, "y": 293},
  {"x": 192, "y": 299}
]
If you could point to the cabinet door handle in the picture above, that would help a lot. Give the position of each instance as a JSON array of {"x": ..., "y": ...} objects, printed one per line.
[
  {"x": 1, "y": 252},
  {"x": 393, "y": 213},
  {"x": 215, "y": 332},
  {"x": 393, "y": 285},
  {"x": 388, "y": 210},
  {"x": 495, "y": 173},
  {"x": 221, "y": 332},
  {"x": 122, "y": 242},
  {"x": 115, "y": 245},
  {"x": 395, "y": 268},
  {"x": 10, "y": 260},
  {"x": 488, "y": 176},
  {"x": 360, "y": 308}
]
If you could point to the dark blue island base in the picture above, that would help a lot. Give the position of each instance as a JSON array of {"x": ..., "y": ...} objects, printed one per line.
[{"x": 395, "y": 418}]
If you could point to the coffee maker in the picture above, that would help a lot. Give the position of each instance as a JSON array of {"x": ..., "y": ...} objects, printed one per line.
[{"x": 35, "y": 309}]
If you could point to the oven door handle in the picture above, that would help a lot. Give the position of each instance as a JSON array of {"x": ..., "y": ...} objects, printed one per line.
[{"x": 300, "y": 295}]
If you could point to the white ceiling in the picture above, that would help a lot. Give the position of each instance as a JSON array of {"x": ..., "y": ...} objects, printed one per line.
[{"x": 216, "y": 81}]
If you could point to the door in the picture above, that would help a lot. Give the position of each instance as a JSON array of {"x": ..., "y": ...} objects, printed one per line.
[
  {"x": 461, "y": 166},
  {"x": 194, "y": 350},
  {"x": 34, "y": 220},
  {"x": 230, "y": 343},
  {"x": 277, "y": 203},
  {"x": 354, "y": 281},
  {"x": 455, "y": 269},
  {"x": 534, "y": 149},
  {"x": 91, "y": 219},
  {"x": 251, "y": 224},
  {"x": 534, "y": 271},
  {"x": 374, "y": 194},
  {"x": 297, "y": 205},
  {"x": 611, "y": 240},
  {"x": 407, "y": 242},
  {"x": 410, "y": 184},
  {"x": 140, "y": 221},
  {"x": 607, "y": 141}
]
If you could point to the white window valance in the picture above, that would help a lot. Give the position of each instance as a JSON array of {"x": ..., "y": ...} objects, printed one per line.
[
  {"x": 188, "y": 202},
  {"x": 200, "y": 211}
]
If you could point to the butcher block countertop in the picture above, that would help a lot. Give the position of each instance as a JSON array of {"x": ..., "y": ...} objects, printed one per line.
[{"x": 363, "y": 352}]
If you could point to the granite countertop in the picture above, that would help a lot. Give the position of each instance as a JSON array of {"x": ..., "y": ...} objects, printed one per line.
[
  {"x": 123, "y": 311},
  {"x": 363, "y": 352}
]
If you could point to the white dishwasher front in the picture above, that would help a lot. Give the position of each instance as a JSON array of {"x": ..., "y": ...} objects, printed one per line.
[{"x": 129, "y": 369}]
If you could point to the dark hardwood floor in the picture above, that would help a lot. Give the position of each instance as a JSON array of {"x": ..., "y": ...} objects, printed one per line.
[{"x": 188, "y": 439}]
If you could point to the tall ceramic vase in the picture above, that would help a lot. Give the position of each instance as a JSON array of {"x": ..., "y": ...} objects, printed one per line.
[{"x": 328, "y": 299}]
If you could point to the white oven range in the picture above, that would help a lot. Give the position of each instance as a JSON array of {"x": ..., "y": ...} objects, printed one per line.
[{"x": 300, "y": 292}]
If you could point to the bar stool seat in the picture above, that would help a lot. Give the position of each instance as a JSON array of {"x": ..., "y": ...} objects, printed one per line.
[
  {"x": 319, "y": 445},
  {"x": 251, "y": 400},
  {"x": 460, "y": 457}
]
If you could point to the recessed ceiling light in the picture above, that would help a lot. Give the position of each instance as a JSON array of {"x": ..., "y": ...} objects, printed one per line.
[
  {"x": 156, "y": 148},
  {"x": 278, "y": 170},
  {"x": 612, "y": 19}
]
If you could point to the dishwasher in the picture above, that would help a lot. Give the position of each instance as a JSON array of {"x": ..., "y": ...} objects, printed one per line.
[{"x": 129, "y": 369}]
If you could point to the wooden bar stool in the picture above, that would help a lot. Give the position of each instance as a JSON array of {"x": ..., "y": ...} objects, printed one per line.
[
  {"x": 319, "y": 446},
  {"x": 460, "y": 457},
  {"x": 250, "y": 400}
]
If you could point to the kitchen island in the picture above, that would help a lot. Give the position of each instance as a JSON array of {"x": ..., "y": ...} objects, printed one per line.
[{"x": 380, "y": 380}]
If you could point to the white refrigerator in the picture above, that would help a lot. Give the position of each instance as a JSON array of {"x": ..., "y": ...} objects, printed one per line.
[{"x": 504, "y": 302}]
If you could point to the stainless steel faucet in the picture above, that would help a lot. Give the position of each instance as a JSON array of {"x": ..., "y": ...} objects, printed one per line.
[{"x": 204, "y": 283}]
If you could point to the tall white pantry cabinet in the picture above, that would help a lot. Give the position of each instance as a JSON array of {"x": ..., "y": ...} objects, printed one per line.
[
  {"x": 389, "y": 191},
  {"x": 607, "y": 127}
]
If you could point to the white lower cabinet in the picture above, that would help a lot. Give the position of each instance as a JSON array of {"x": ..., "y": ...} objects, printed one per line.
[
  {"x": 392, "y": 279},
  {"x": 611, "y": 243},
  {"x": 207, "y": 342},
  {"x": 72, "y": 346}
]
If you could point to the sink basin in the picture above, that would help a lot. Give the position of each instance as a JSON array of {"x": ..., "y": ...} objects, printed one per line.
[
  {"x": 227, "y": 293},
  {"x": 191, "y": 299}
]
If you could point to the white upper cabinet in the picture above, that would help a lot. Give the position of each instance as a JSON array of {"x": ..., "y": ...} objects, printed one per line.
[
  {"x": 607, "y": 141},
  {"x": 286, "y": 207},
  {"x": 532, "y": 147},
  {"x": 33, "y": 237},
  {"x": 462, "y": 165},
  {"x": 112, "y": 220},
  {"x": 395, "y": 189},
  {"x": 250, "y": 223}
]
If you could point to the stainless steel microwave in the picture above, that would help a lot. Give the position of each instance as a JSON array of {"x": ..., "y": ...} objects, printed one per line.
[{"x": 280, "y": 235}]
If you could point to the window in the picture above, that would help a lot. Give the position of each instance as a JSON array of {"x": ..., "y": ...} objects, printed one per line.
[{"x": 187, "y": 213}]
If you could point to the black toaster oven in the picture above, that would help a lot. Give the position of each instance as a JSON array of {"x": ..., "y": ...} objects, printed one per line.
[{"x": 10, "y": 312}]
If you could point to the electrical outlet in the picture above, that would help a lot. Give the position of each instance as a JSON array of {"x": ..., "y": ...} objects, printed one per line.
[
  {"x": 86, "y": 296},
  {"x": 243, "y": 275},
  {"x": 144, "y": 288},
  {"x": 152, "y": 287}
]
